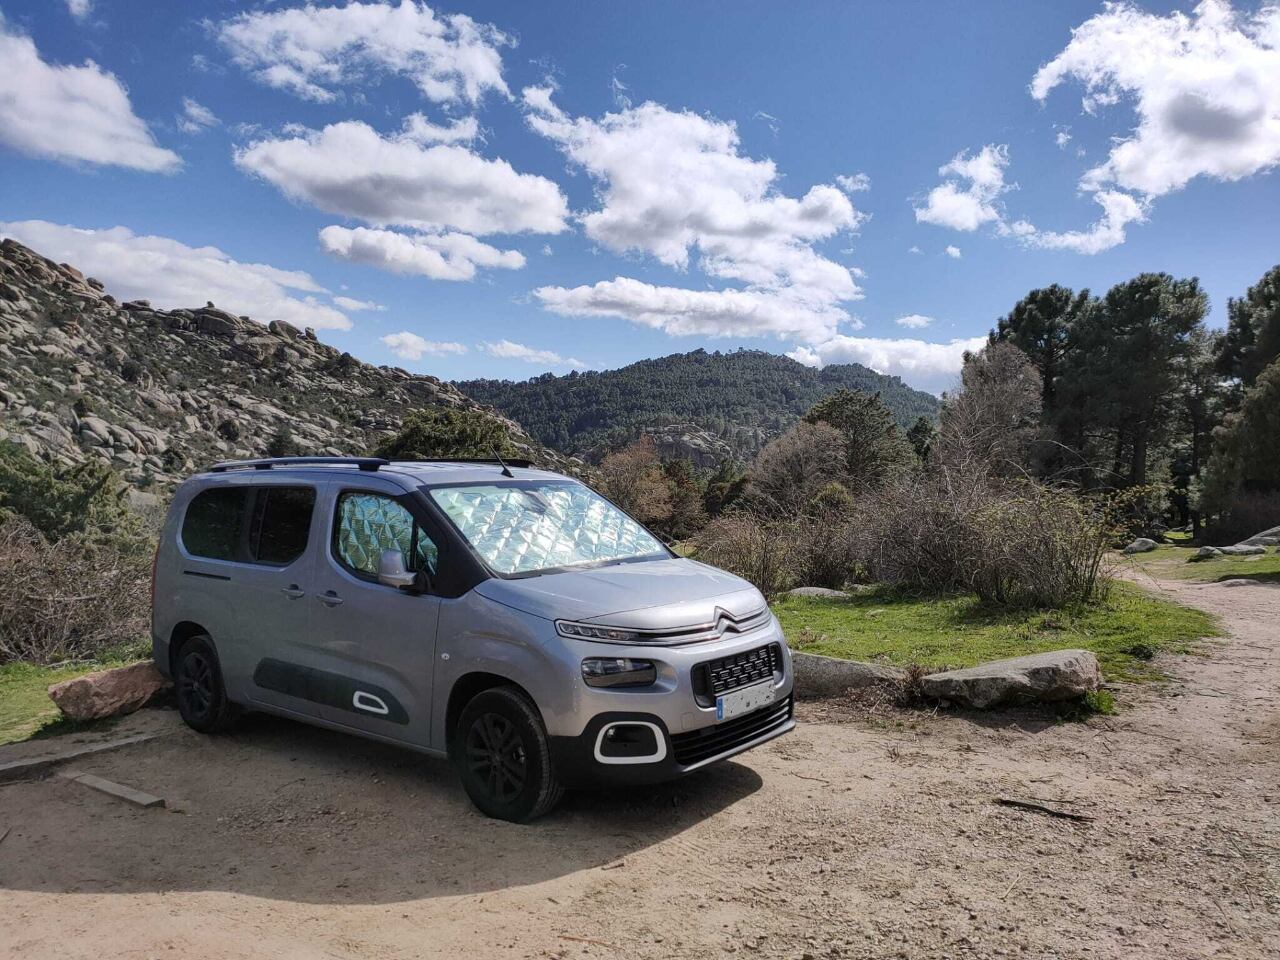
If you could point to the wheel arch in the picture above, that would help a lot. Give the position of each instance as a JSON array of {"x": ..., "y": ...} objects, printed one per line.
[
  {"x": 180, "y": 634},
  {"x": 467, "y": 687}
]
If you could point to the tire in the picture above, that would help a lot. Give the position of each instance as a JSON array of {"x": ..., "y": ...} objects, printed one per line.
[
  {"x": 201, "y": 694},
  {"x": 504, "y": 758}
]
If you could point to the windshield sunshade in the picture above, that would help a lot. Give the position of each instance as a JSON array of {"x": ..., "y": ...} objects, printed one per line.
[{"x": 530, "y": 525}]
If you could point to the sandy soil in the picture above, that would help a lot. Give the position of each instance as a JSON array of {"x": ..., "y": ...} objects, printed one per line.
[{"x": 857, "y": 836}]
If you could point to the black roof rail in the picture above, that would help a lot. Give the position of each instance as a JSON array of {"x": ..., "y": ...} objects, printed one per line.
[
  {"x": 367, "y": 464},
  {"x": 508, "y": 461}
]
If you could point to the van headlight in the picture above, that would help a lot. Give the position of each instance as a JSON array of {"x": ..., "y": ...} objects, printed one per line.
[
  {"x": 618, "y": 672},
  {"x": 591, "y": 631}
]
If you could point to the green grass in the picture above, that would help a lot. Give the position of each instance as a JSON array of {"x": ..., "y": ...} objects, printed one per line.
[
  {"x": 1172, "y": 563},
  {"x": 960, "y": 631},
  {"x": 25, "y": 708}
]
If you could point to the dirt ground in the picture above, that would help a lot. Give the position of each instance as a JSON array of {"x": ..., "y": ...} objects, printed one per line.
[{"x": 857, "y": 836}]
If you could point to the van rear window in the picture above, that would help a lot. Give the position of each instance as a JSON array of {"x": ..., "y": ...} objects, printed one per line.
[{"x": 214, "y": 523}]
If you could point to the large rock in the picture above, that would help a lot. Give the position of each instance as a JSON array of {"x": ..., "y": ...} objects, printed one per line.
[
  {"x": 1266, "y": 538},
  {"x": 1141, "y": 545},
  {"x": 1204, "y": 553},
  {"x": 817, "y": 676},
  {"x": 109, "y": 693},
  {"x": 1057, "y": 675},
  {"x": 1243, "y": 550},
  {"x": 817, "y": 592}
]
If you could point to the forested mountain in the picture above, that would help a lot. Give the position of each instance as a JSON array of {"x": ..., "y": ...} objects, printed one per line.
[{"x": 745, "y": 397}]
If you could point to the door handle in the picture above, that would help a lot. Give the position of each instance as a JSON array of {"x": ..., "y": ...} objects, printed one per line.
[
  {"x": 292, "y": 591},
  {"x": 330, "y": 599}
]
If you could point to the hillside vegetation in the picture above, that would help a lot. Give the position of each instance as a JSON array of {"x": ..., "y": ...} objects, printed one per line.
[{"x": 745, "y": 398}]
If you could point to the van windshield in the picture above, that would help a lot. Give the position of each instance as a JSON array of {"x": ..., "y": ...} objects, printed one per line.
[{"x": 522, "y": 527}]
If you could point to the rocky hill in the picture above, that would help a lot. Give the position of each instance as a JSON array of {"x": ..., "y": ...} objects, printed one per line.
[
  {"x": 705, "y": 404},
  {"x": 160, "y": 393}
]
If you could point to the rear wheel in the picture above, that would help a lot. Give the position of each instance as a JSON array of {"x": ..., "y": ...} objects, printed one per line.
[
  {"x": 504, "y": 758},
  {"x": 197, "y": 679}
]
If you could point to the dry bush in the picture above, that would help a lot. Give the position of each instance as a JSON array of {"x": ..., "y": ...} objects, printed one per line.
[
  {"x": 69, "y": 599},
  {"x": 757, "y": 550},
  {"x": 1013, "y": 543},
  {"x": 992, "y": 421},
  {"x": 793, "y": 468},
  {"x": 633, "y": 479}
]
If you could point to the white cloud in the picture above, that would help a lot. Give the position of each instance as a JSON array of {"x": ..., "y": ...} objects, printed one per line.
[
  {"x": 1062, "y": 137},
  {"x": 709, "y": 313},
  {"x": 80, "y": 9},
  {"x": 1118, "y": 210},
  {"x": 445, "y": 256},
  {"x": 410, "y": 346},
  {"x": 924, "y": 365},
  {"x": 171, "y": 274},
  {"x": 71, "y": 113},
  {"x": 195, "y": 117},
  {"x": 510, "y": 350},
  {"x": 349, "y": 169},
  {"x": 914, "y": 249},
  {"x": 952, "y": 251},
  {"x": 671, "y": 184},
  {"x": 352, "y": 305},
  {"x": 314, "y": 51},
  {"x": 967, "y": 206},
  {"x": 914, "y": 320},
  {"x": 1205, "y": 89},
  {"x": 854, "y": 184},
  {"x": 419, "y": 129}
]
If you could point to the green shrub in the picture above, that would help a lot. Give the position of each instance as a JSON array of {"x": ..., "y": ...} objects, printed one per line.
[{"x": 444, "y": 432}]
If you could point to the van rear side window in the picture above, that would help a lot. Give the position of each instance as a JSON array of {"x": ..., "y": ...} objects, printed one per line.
[
  {"x": 214, "y": 524},
  {"x": 267, "y": 525}
]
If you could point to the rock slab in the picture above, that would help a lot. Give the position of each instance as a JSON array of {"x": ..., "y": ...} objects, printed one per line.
[
  {"x": 1056, "y": 675},
  {"x": 817, "y": 676},
  {"x": 109, "y": 693}
]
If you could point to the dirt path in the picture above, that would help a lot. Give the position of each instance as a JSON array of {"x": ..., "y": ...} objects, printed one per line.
[{"x": 854, "y": 837}]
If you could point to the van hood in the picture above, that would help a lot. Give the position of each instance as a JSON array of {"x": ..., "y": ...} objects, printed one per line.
[{"x": 651, "y": 595}]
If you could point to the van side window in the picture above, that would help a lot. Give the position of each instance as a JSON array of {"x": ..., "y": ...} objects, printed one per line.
[
  {"x": 214, "y": 521},
  {"x": 369, "y": 523},
  {"x": 281, "y": 524}
]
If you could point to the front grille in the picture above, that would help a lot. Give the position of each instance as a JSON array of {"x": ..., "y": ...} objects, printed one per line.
[
  {"x": 699, "y": 745},
  {"x": 715, "y": 677}
]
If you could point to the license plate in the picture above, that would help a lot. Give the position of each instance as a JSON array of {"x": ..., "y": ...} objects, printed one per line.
[{"x": 737, "y": 702}]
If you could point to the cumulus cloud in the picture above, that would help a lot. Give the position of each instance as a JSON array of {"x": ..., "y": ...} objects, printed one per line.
[
  {"x": 71, "y": 113},
  {"x": 352, "y": 305},
  {"x": 1205, "y": 89},
  {"x": 444, "y": 256},
  {"x": 968, "y": 198},
  {"x": 350, "y": 169},
  {"x": 80, "y": 9},
  {"x": 708, "y": 313},
  {"x": 419, "y": 129},
  {"x": 1118, "y": 210},
  {"x": 952, "y": 251},
  {"x": 195, "y": 117},
  {"x": 171, "y": 274},
  {"x": 914, "y": 320},
  {"x": 410, "y": 346},
  {"x": 924, "y": 365},
  {"x": 313, "y": 51},
  {"x": 673, "y": 185},
  {"x": 510, "y": 350},
  {"x": 856, "y": 183}
]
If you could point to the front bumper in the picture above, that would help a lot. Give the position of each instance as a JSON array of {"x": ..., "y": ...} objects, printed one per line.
[{"x": 577, "y": 759}]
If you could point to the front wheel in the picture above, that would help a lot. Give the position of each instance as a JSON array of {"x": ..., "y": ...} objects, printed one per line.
[{"x": 503, "y": 756}]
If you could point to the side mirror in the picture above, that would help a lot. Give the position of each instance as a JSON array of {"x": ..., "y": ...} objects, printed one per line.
[{"x": 392, "y": 571}]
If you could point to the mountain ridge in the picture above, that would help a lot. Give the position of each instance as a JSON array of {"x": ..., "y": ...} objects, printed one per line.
[{"x": 743, "y": 397}]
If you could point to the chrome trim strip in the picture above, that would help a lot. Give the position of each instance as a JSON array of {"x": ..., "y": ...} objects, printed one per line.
[{"x": 725, "y": 625}]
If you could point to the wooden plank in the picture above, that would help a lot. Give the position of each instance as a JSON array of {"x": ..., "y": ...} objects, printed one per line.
[
  {"x": 113, "y": 789},
  {"x": 37, "y": 766}
]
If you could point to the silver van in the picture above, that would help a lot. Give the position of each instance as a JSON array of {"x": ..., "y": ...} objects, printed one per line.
[{"x": 508, "y": 618}]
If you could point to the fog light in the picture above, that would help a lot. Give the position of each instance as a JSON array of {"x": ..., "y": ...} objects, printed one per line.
[{"x": 618, "y": 672}]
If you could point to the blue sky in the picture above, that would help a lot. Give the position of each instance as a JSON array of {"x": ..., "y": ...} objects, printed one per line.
[{"x": 531, "y": 187}]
